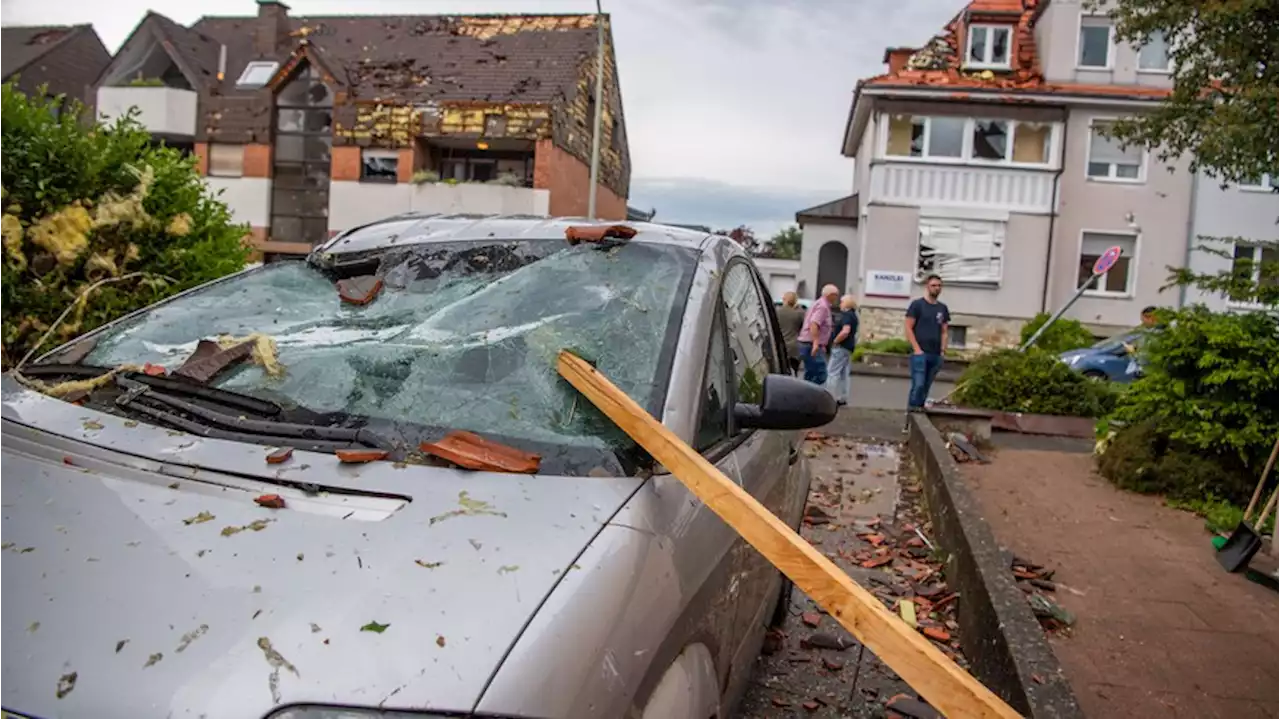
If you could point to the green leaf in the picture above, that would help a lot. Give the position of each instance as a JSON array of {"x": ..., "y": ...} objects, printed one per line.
[{"x": 374, "y": 627}]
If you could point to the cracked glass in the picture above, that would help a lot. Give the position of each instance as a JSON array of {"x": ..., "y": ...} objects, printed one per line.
[{"x": 463, "y": 335}]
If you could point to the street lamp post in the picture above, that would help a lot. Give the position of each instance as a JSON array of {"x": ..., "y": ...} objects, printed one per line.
[{"x": 595, "y": 135}]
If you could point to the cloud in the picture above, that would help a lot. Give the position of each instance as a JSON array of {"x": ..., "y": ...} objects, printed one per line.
[
  {"x": 734, "y": 95},
  {"x": 721, "y": 205}
]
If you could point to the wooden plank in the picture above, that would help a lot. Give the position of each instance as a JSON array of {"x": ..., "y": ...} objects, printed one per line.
[{"x": 946, "y": 686}]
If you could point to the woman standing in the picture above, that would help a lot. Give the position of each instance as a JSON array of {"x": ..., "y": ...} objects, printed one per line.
[{"x": 844, "y": 326}]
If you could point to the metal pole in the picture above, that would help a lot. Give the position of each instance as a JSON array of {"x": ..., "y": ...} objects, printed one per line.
[
  {"x": 1059, "y": 313},
  {"x": 595, "y": 136}
]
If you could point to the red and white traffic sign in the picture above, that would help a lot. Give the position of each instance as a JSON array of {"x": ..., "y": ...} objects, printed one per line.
[{"x": 1107, "y": 260}]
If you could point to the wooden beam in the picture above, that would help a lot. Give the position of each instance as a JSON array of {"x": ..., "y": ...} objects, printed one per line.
[{"x": 946, "y": 686}]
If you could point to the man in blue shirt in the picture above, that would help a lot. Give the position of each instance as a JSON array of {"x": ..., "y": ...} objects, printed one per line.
[
  {"x": 926, "y": 324},
  {"x": 844, "y": 338}
]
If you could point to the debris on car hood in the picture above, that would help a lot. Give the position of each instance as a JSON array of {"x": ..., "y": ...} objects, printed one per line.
[
  {"x": 598, "y": 233},
  {"x": 471, "y": 451},
  {"x": 209, "y": 358},
  {"x": 360, "y": 290}
]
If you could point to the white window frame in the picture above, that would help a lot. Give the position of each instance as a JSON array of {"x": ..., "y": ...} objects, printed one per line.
[
  {"x": 1265, "y": 184},
  {"x": 1257, "y": 275},
  {"x": 1168, "y": 58},
  {"x": 966, "y": 151},
  {"x": 1000, "y": 232},
  {"x": 987, "y": 63},
  {"x": 243, "y": 84},
  {"x": 1141, "y": 179},
  {"x": 209, "y": 169},
  {"x": 1111, "y": 43},
  {"x": 1131, "y": 282}
]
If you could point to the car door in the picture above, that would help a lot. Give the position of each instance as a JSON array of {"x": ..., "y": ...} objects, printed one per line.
[{"x": 760, "y": 459}]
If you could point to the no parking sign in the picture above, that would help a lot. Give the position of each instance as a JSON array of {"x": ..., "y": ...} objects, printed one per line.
[{"x": 1106, "y": 261}]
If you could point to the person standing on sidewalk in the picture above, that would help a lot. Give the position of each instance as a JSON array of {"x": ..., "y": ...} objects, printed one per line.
[
  {"x": 845, "y": 326},
  {"x": 790, "y": 320},
  {"x": 926, "y": 323},
  {"x": 815, "y": 336}
]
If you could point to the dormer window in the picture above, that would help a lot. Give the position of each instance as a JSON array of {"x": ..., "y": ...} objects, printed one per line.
[{"x": 989, "y": 46}]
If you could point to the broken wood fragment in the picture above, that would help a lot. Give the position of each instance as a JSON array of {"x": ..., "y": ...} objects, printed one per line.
[
  {"x": 360, "y": 290},
  {"x": 598, "y": 233},
  {"x": 471, "y": 451},
  {"x": 359, "y": 456}
]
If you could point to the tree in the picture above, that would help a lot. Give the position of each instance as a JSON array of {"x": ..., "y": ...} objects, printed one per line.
[
  {"x": 786, "y": 244},
  {"x": 1223, "y": 108},
  {"x": 98, "y": 221},
  {"x": 744, "y": 236}
]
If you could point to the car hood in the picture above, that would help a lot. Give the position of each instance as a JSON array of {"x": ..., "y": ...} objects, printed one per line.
[{"x": 143, "y": 580}]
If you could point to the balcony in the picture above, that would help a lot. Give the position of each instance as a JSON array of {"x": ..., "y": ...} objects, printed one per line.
[
  {"x": 165, "y": 111},
  {"x": 927, "y": 185},
  {"x": 355, "y": 203}
]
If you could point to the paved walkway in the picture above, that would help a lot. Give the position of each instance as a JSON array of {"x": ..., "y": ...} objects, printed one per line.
[{"x": 1161, "y": 630}]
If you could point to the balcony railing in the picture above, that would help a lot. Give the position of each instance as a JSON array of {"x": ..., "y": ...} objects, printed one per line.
[
  {"x": 920, "y": 184},
  {"x": 166, "y": 111}
]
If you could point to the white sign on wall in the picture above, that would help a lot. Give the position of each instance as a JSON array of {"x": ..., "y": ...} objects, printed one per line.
[{"x": 883, "y": 283}]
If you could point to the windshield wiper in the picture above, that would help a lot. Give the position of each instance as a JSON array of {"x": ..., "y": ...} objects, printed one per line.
[
  {"x": 174, "y": 386},
  {"x": 209, "y": 422}
]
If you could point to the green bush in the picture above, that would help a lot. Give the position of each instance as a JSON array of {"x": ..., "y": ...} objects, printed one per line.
[
  {"x": 84, "y": 203},
  {"x": 888, "y": 345},
  {"x": 1034, "y": 382},
  {"x": 1210, "y": 383},
  {"x": 1141, "y": 459},
  {"x": 1065, "y": 334}
]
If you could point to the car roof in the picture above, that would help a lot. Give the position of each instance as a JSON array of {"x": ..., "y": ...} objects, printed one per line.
[{"x": 418, "y": 228}]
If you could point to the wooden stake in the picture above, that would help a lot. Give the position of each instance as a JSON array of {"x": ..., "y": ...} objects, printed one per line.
[{"x": 950, "y": 689}]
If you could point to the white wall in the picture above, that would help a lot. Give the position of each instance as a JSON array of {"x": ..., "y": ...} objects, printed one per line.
[
  {"x": 780, "y": 276},
  {"x": 1226, "y": 213},
  {"x": 354, "y": 203},
  {"x": 814, "y": 236},
  {"x": 162, "y": 110},
  {"x": 248, "y": 198}
]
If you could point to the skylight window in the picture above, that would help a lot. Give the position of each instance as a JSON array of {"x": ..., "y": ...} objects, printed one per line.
[{"x": 256, "y": 74}]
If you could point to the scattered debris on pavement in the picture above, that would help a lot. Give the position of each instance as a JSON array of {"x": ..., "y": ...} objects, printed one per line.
[
  {"x": 963, "y": 449},
  {"x": 1032, "y": 577}
]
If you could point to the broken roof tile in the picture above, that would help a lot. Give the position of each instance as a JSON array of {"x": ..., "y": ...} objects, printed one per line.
[{"x": 471, "y": 451}]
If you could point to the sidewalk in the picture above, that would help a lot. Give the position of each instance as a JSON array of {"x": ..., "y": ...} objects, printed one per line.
[{"x": 1161, "y": 630}]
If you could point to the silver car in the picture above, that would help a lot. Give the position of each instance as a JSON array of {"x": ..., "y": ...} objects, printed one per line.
[{"x": 145, "y": 578}]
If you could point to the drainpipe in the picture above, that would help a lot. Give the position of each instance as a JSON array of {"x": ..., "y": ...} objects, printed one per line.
[
  {"x": 1053, "y": 216},
  {"x": 1191, "y": 235},
  {"x": 595, "y": 136}
]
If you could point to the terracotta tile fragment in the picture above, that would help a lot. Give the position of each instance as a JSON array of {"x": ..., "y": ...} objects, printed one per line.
[{"x": 471, "y": 451}]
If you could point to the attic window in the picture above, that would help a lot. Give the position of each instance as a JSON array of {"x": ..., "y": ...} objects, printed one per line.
[
  {"x": 988, "y": 46},
  {"x": 256, "y": 74}
]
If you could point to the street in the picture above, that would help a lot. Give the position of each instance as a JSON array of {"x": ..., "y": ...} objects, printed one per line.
[{"x": 872, "y": 392}]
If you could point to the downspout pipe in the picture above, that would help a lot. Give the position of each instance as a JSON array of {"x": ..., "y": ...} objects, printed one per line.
[
  {"x": 1053, "y": 216},
  {"x": 1191, "y": 235}
]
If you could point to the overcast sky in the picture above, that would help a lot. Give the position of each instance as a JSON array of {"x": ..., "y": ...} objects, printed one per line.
[{"x": 734, "y": 108}]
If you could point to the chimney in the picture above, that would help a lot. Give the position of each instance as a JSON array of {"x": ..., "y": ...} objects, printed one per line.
[
  {"x": 272, "y": 33},
  {"x": 896, "y": 58}
]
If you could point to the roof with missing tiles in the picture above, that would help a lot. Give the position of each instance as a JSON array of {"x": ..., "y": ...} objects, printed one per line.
[{"x": 939, "y": 64}]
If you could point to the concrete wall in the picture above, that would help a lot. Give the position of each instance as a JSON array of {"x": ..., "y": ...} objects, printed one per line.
[
  {"x": 1156, "y": 209},
  {"x": 1225, "y": 213},
  {"x": 248, "y": 198},
  {"x": 896, "y": 238},
  {"x": 162, "y": 110},
  {"x": 1057, "y": 39},
  {"x": 353, "y": 203},
  {"x": 814, "y": 236}
]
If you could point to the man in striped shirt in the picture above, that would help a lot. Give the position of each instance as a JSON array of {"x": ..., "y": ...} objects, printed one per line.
[{"x": 815, "y": 336}]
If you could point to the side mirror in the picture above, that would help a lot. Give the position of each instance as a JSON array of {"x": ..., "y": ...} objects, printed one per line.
[{"x": 787, "y": 403}]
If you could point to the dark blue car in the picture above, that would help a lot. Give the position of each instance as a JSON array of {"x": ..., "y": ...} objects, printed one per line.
[{"x": 1109, "y": 359}]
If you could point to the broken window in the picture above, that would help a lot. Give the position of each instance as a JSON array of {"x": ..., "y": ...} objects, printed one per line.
[
  {"x": 1256, "y": 263},
  {"x": 495, "y": 125},
  {"x": 378, "y": 165},
  {"x": 464, "y": 335},
  {"x": 966, "y": 251},
  {"x": 1095, "y": 42},
  {"x": 1108, "y": 160},
  {"x": 906, "y": 136},
  {"x": 226, "y": 160},
  {"x": 990, "y": 139},
  {"x": 1031, "y": 142},
  {"x": 304, "y": 114},
  {"x": 713, "y": 415},
  {"x": 989, "y": 46},
  {"x": 1115, "y": 281}
]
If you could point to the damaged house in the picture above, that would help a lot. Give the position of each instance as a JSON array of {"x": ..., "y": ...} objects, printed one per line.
[
  {"x": 65, "y": 59},
  {"x": 979, "y": 157},
  {"x": 311, "y": 126}
]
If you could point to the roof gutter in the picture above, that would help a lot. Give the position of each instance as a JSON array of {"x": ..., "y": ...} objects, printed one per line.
[{"x": 1006, "y": 95}]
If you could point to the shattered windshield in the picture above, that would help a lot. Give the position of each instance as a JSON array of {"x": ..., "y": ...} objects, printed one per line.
[{"x": 460, "y": 335}]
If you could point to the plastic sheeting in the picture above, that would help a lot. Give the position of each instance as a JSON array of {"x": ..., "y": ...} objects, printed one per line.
[{"x": 463, "y": 336}]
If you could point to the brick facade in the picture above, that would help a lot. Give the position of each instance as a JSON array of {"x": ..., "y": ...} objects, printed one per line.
[
  {"x": 201, "y": 151},
  {"x": 568, "y": 179},
  {"x": 257, "y": 160},
  {"x": 344, "y": 164}
]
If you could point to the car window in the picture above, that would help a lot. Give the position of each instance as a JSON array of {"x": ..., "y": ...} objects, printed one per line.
[
  {"x": 713, "y": 417},
  {"x": 464, "y": 335},
  {"x": 747, "y": 324},
  {"x": 1112, "y": 344}
]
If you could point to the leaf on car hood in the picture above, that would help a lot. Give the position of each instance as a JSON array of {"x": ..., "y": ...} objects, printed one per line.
[
  {"x": 200, "y": 518},
  {"x": 375, "y": 627}
]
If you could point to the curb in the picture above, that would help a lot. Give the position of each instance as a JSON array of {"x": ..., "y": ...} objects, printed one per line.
[{"x": 1004, "y": 643}]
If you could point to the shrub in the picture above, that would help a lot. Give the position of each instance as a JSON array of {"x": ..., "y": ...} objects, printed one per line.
[
  {"x": 84, "y": 203},
  {"x": 888, "y": 345},
  {"x": 1141, "y": 459},
  {"x": 1210, "y": 383},
  {"x": 422, "y": 177},
  {"x": 1034, "y": 382},
  {"x": 1065, "y": 334}
]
